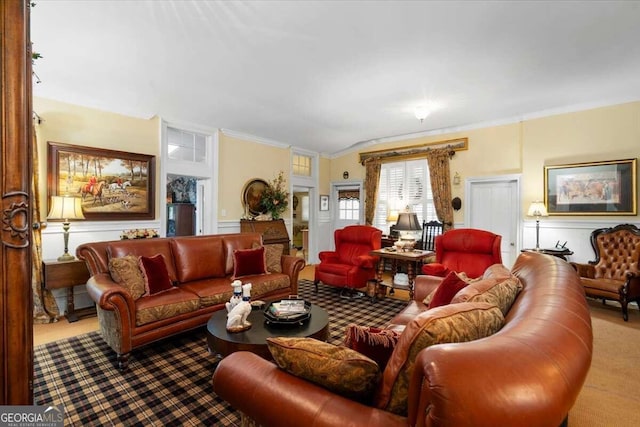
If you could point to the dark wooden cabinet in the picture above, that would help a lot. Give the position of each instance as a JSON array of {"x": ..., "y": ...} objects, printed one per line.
[
  {"x": 181, "y": 219},
  {"x": 272, "y": 232},
  {"x": 67, "y": 274}
]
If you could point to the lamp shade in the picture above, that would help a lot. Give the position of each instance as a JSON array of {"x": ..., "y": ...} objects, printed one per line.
[
  {"x": 537, "y": 209},
  {"x": 65, "y": 208},
  {"x": 408, "y": 221}
]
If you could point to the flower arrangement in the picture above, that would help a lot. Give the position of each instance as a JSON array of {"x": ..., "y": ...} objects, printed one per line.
[
  {"x": 275, "y": 198},
  {"x": 139, "y": 233}
]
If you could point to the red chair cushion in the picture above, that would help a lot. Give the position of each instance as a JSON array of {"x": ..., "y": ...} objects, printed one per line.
[{"x": 435, "y": 269}]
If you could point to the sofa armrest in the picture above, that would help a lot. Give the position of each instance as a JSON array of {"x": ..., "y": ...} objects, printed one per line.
[
  {"x": 110, "y": 296},
  {"x": 271, "y": 396},
  {"x": 291, "y": 266},
  {"x": 584, "y": 270},
  {"x": 424, "y": 285}
]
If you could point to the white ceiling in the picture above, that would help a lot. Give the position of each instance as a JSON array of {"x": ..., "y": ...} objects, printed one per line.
[{"x": 325, "y": 75}]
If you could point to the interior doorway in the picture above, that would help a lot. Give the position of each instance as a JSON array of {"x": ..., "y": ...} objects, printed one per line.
[
  {"x": 493, "y": 204},
  {"x": 300, "y": 222}
]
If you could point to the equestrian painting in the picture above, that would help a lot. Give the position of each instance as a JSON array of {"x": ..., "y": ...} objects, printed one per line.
[{"x": 113, "y": 185}]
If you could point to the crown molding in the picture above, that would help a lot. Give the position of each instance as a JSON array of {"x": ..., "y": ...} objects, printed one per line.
[{"x": 253, "y": 138}]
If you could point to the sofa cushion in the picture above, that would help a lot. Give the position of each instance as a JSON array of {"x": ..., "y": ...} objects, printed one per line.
[
  {"x": 144, "y": 247},
  {"x": 447, "y": 289},
  {"x": 451, "y": 323},
  {"x": 125, "y": 271},
  {"x": 247, "y": 262},
  {"x": 165, "y": 305},
  {"x": 339, "y": 369},
  {"x": 156, "y": 276},
  {"x": 198, "y": 258},
  {"x": 377, "y": 344},
  {"x": 496, "y": 270},
  {"x": 272, "y": 257},
  {"x": 499, "y": 291}
]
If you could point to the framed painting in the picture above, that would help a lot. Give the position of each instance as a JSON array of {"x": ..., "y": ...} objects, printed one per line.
[
  {"x": 324, "y": 202},
  {"x": 598, "y": 188},
  {"x": 252, "y": 196},
  {"x": 113, "y": 185}
]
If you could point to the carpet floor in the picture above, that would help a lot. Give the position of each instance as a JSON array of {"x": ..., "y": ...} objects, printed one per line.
[{"x": 169, "y": 382}]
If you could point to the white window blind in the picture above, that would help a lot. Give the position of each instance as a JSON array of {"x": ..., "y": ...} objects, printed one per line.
[{"x": 402, "y": 185}]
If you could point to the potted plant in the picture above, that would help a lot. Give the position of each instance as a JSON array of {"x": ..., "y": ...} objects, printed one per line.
[{"x": 275, "y": 197}]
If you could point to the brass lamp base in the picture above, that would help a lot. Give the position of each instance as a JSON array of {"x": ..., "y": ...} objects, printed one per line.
[{"x": 66, "y": 257}]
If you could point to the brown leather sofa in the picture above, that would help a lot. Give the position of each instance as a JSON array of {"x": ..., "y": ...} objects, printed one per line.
[
  {"x": 615, "y": 273},
  {"x": 528, "y": 373},
  {"x": 201, "y": 269}
]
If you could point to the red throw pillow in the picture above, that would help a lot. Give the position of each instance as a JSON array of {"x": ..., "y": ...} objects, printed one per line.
[
  {"x": 156, "y": 276},
  {"x": 376, "y": 344},
  {"x": 435, "y": 269},
  {"x": 447, "y": 289},
  {"x": 248, "y": 261}
]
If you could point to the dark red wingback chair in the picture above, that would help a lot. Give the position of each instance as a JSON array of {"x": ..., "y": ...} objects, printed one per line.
[
  {"x": 350, "y": 266},
  {"x": 465, "y": 250}
]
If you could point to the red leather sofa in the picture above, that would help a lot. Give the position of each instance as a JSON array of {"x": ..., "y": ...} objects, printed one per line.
[
  {"x": 529, "y": 373},
  {"x": 201, "y": 269}
]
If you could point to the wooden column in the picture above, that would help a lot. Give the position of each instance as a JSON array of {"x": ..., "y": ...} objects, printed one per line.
[{"x": 16, "y": 306}]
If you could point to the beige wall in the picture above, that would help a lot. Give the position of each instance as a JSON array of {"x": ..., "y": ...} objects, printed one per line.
[
  {"x": 77, "y": 125},
  {"x": 606, "y": 133},
  {"x": 520, "y": 148},
  {"x": 242, "y": 161}
]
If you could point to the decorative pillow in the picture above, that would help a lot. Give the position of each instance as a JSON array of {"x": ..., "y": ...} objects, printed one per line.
[
  {"x": 435, "y": 269},
  {"x": 339, "y": 369},
  {"x": 272, "y": 257},
  {"x": 125, "y": 271},
  {"x": 499, "y": 291},
  {"x": 247, "y": 262},
  {"x": 377, "y": 344},
  {"x": 447, "y": 290},
  {"x": 453, "y": 323},
  {"x": 156, "y": 276},
  {"x": 496, "y": 270}
]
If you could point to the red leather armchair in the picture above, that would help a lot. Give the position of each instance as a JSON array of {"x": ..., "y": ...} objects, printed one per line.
[
  {"x": 465, "y": 250},
  {"x": 350, "y": 265}
]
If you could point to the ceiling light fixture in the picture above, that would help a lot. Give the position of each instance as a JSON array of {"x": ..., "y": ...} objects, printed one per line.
[{"x": 421, "y": 112}]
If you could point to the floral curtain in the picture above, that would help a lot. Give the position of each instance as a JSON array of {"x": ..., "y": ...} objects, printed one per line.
[
  {"x": 372, "y": 177},
  {"x": 45, "y": 309},
  {"x": 438, "y": 160}
]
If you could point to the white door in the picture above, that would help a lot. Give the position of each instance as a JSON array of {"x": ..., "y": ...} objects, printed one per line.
[
  {"x": 349, "y": 211},
  {"x": 494, "y": 205}
]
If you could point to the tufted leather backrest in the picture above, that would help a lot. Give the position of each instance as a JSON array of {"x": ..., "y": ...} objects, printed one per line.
[
  {"x": 617, "y": 251},
  {"x": 355, "y": 240}
]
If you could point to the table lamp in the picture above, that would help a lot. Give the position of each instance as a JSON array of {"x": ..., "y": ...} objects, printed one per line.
[
  {"x": 408, "y": 222},
  {"x": 66, "y": 208},
  {"x": 537, "y": 209}
]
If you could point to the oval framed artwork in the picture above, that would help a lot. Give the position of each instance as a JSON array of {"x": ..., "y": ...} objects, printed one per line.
[{"x": 252, "y": 195}]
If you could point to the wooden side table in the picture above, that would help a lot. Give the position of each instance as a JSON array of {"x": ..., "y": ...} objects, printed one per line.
[
  {"x": 67, "y": 274},
  {"x": 411, "y": 259}
]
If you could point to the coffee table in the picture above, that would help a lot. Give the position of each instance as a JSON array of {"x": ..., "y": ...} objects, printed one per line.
[{"x": 222, "y": 343}]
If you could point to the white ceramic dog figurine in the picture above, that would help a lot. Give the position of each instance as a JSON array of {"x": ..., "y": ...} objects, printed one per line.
[
  {"x": 237, "y": 295},
  {"x": 237, "y": 317}
]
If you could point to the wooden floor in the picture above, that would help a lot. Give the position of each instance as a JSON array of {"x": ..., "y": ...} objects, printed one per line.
[{"x": 45, "y": 333}]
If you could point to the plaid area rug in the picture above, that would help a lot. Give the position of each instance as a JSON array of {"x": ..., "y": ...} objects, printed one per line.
[{"x": 168, "y": 383}]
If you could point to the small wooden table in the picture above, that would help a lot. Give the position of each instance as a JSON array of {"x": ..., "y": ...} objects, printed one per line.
[
  {"x": 222, "y": 343},
  {"x": 67, "y": 274},
  {"x": 560, "y": 253},
  {"x": 411, "y": 259}
]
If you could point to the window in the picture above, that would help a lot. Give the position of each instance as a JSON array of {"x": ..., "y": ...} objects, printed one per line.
[
  {"x": 402, "y": 185},
  {"x": 349, "y": 204},
  {"x": 187, "y": 146},
  {"x": 301, "y": 165}
]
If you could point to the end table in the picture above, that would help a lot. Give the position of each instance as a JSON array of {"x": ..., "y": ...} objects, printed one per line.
[{"x": 67, "y": 274}]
